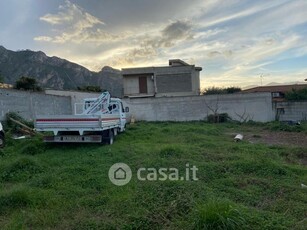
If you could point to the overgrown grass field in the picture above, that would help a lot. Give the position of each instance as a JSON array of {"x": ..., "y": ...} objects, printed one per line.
[{"x": 242, "y": 185}]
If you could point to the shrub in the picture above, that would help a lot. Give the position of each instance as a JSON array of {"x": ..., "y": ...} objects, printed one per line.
[
  {"x": 218, "y": 118},
  {"x": 233, "y": 90},
  {"x": 219, "y": 90},
  {"x": 90, "y": 88},
  {"x": 297, "y": 95},
  {"x": 27, "y": 83}
]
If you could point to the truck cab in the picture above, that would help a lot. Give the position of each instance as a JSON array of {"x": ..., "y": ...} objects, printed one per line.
[{"x": 114, "y": 107}]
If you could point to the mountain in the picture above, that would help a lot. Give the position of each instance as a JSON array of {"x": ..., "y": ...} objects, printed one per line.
[{"x": 56, "y": 73}]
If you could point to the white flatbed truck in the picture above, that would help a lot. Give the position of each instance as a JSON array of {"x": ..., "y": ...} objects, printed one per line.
[{"x": 99, "y": 121}]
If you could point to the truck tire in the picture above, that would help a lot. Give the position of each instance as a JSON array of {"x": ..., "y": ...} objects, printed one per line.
[
  {"x": 115, "y": 132},
  {"x": 108, "y": 136},
  {"x": 111, "y": 137},
  {"x": 2, "y": 140}
]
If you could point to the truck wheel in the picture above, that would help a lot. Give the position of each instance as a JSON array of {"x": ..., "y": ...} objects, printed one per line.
[
  {"x": 108, "y": 137},
  {"x": 2, "y": 141},
  {"x": 115, "y": 132},
  {"x": 111, "y": 137}
]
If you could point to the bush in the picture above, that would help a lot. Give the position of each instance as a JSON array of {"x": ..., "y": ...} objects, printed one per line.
[
  {"x": 90, "y": 88},
  {"x": 297, "y": 95},
  {"x": 27, "y": 83},
  {"x": 218, "y": 118},
  {"x": 233, "y": 90},
  {"x": 219, "y": 90}
]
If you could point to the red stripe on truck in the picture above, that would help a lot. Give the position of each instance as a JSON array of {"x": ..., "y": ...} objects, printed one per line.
[{"x": 65, "y": 120}]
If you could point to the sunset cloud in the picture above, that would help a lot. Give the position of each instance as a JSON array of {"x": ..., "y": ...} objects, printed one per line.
[
  {"x": 234, "y": 42},
  {"x": 75, "y": 25}
]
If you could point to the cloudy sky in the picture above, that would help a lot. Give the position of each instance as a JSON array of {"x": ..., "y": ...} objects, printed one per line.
[{"x": 237, "y": 42}]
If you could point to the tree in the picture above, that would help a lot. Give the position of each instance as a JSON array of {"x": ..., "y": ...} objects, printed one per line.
[
  {"x": 27, "y": 83},
  {"x": 219, "y": 90},
  {"x": 297, "y": 95},
  {"x": 233, "y": 89}
]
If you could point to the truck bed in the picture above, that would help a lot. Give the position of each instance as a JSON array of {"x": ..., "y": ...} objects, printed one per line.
[{"x": 79, "y": 123}]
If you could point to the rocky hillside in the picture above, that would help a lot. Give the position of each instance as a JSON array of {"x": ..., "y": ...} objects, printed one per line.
[{"x": 54, "y": 72}]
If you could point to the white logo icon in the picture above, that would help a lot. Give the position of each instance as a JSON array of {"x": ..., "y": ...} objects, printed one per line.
[{"x": 120, "y": 174}]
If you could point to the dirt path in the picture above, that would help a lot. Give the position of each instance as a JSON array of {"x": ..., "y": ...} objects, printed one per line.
[{"x": 278, "y": 138}]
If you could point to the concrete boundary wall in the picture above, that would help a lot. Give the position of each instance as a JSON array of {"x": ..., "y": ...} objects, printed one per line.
[
  {"x": 76, "y": 97},
  {"x": 250, "y": 106},
  {"x": 30, "y": 104},
  {"x": 294, "y": 111}
]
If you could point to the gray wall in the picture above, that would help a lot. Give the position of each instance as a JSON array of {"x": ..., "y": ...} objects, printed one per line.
[
  {"x": 180, "y": 81},
  {"x": 173, "y": 83},
  {"x": 30, "y": 104},
  {"x": 76, "y": 96},
  {"x": 295, "y": 111},
  {"x": 250, "y": 106},
  {"x": 253, "y": 106}
]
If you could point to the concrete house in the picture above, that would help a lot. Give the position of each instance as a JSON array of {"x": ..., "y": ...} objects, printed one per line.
[
  {"x": 278, "y": 91},
  {"x": 176, "y": 79}
]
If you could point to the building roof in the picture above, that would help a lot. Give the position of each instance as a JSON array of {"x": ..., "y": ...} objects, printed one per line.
[
  {"x": 176, "y": 62},
  {"x": 275, "y": 88},
  {"x": 150, "y": 70}
]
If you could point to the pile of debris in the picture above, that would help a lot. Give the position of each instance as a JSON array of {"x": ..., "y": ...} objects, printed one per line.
[{"x": 18, "y": 126}]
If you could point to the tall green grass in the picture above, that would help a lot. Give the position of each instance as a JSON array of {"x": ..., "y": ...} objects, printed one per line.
[{"x": 241, "y": 184}]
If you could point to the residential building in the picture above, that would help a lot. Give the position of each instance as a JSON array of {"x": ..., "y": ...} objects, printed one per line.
[
  {"x": 278, "y": 91},
  {"x": 176, "y": 79}
]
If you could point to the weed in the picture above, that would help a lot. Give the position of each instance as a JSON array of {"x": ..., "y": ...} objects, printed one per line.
[
  {"x": 14, "y": 200},
  {"x": 217, "y": 214},
  {"x": 283, "y": 126},
  {"x": 170, "y": 151},
  {"x": 33, "y": 147},
  {"x": 22, "y": 169}
]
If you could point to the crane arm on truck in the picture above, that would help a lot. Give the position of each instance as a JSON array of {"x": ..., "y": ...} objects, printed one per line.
[{"x": 102, "y": 100}]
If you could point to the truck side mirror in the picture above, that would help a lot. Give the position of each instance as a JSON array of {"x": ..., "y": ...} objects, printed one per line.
[{"x": 127, "y": 110}]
